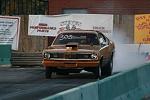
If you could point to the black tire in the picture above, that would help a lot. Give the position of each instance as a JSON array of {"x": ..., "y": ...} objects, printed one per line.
[
  {"x": 107, "y": 69},
  {"x": 98, "y": 70},
  {"x": 62, "y": 73},
  {"x": 48, "y": 73}
]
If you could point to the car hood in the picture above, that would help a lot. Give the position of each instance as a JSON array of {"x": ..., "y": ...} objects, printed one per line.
[{"x": 73, "y": 48}]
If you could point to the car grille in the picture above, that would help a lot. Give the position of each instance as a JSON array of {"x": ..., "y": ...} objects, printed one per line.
[{"x": 70, "y": 56}]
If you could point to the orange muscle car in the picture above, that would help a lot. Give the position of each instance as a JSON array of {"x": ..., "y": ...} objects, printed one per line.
[{"x": 76, "y": 50}]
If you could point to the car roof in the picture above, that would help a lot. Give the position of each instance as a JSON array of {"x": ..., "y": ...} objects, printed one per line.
[{"x": 79, "y": 31}]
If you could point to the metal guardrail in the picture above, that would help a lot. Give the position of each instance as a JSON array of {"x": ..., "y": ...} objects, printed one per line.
[{"x": 26, "y": 59}]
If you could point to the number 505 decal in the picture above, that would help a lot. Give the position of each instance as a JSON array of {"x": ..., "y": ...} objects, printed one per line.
[{"x": 63, "y": 37}]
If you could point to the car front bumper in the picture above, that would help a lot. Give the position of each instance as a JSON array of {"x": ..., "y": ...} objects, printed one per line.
[{"x": 70, "y": 63}]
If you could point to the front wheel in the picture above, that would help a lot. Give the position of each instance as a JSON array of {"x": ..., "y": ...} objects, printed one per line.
[
  {"x": 62, "y": 73},
  {"x": 107, "y": 69},
  {"x": 98, "y": 70},
  {"x": 48, "y": 73}
]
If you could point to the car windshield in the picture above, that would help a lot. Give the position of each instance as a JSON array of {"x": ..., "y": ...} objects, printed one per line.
[{"x": 80, "y": 38}]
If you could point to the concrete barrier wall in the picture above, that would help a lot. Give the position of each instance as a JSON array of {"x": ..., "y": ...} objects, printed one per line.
[
  {"x": 129, "y": 85},
  {"x": 5, "y": 54}
]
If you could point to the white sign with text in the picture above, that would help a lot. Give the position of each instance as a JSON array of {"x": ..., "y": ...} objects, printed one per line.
[
  {"x": 50, "y": 25},
  {"x": 9, "y": 31}
]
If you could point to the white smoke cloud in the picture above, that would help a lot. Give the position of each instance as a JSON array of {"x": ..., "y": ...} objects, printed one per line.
[{"x": 127, "y": 56}]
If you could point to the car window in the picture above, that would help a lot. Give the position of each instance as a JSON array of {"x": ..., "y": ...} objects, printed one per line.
[
  {"x": 103, "y": 40},
  {"x": 80, "y": 38}
]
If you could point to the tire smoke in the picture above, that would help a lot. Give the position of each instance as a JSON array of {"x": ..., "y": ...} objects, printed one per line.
[{"x": 128, "y": 56}]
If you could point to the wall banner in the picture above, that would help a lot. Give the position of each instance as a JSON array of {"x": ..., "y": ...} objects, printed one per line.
[
  {"x": 50, "y": 25},
  {"x": 142, "y": 29},
  {"x": 9, "y": 31}
]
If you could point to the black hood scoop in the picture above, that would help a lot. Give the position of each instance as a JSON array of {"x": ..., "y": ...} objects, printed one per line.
[{"x": 72, "y": 46}]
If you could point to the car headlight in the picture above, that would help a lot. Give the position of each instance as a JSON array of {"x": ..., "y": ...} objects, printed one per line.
[
  {"x": 94, "y": 56},
  {"x": 47, "y": 55},
  {"x": 44, "y": 54}
]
